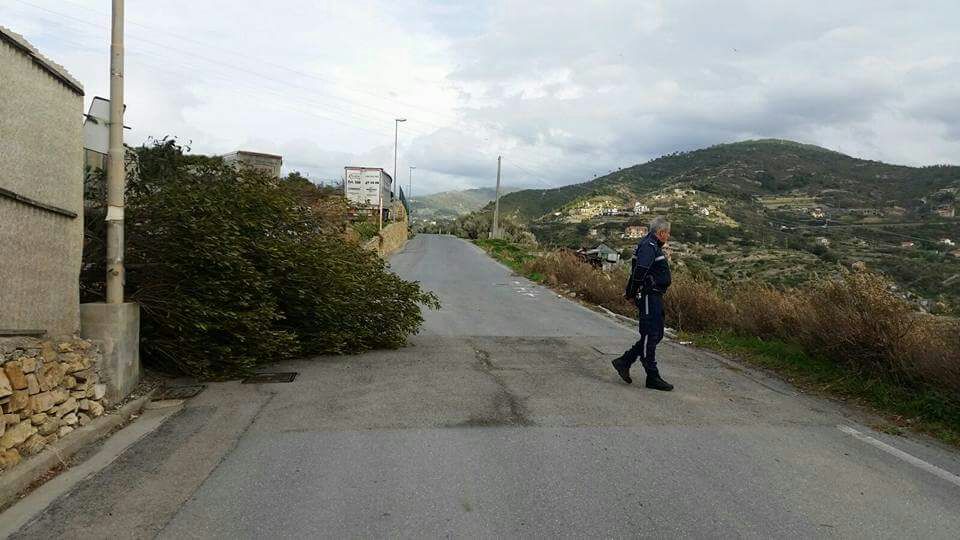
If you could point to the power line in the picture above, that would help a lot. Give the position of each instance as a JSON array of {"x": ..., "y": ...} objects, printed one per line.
[
  {"x": 214, "y": 61},
  {"x": 259, "y": 59}
]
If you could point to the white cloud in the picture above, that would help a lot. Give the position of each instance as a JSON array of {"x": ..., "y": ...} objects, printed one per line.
[{"x": 564, "y": 90}]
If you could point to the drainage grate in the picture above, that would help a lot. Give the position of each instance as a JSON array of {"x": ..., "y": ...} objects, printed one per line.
[
  {"x": 179, "y": 392},
  {"x": 277, "y": 377}
]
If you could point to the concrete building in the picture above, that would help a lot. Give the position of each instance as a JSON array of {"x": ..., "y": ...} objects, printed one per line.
[
  {"x": 268, "y": 163},
  {"x": 635, "y": 231},
  {"x": 41, "y": 192}
]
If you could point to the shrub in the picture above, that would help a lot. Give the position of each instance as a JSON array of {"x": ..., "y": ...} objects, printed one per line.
[
  {"x": 565, "y": 269},
  {"x": 232, "y": 269},
  {"x": 856, "y": 320},
  {"x": 693, "y": 304},
  {"x": 766, "y": 312}
]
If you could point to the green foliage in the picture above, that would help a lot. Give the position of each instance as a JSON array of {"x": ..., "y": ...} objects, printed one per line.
[
  {"x": 509, "y": 254},
  {"x": 233, "y": 269},
  {"x": 366, "y": 229}
]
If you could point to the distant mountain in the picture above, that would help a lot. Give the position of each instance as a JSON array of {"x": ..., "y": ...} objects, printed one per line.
[
  {"x": 775, "y": 210},
  {"x": 750, "y": 169},
  {"x": 451, "y": 204}
]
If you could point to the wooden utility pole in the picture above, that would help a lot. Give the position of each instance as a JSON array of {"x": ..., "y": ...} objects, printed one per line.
[
  {"x": 495, "y": 228},
  {"x": 116, "y": 173}
]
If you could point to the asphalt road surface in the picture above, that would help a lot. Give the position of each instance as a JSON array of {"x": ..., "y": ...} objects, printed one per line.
[{"x": 503, "y": 418}]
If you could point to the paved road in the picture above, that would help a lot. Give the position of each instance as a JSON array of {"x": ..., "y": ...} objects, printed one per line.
[{"x": 504, "y": 419}]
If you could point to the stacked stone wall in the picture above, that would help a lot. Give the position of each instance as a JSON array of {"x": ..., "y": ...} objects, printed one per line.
[{"x": 48, "y": 388}]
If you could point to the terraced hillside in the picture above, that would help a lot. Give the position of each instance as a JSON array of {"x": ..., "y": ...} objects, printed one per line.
[{"x": 774, "y": 210}]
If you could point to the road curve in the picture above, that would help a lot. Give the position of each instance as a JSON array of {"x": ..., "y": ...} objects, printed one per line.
[{"x": 503, "y": 418}]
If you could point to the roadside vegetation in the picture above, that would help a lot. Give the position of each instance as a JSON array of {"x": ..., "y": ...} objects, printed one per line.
[
  {"x": 233, "y": 269},
  {"x": 848, "y": 337}
]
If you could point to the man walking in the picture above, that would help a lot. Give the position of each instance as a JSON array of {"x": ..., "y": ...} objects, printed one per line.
[{"x": 649, "y": 279}]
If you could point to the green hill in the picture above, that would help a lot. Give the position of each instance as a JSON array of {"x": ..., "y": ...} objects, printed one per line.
[
  {"x": 750, "y": 169},
  {"x": 775, "y": 210}
]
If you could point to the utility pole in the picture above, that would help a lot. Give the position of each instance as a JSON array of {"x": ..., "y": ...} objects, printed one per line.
[
  {"x": 379, "y": 202},
  {"x": 495, "y": 229},
  {"x": 115, "y": 163},
  {"x": 410, "y": 191},
  {"x": 396, "y": 138}
]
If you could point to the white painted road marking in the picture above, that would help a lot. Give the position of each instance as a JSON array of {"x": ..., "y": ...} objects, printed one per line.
[{"x": 915, "y": 461}]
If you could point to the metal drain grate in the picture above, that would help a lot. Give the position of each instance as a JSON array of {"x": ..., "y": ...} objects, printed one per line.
[
  {"x": 277, "y": 377},
  {"x": 179, "y": 392}
]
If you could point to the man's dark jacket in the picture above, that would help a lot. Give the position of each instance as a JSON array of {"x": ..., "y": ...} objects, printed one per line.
[{"x": 650, "y": 272}]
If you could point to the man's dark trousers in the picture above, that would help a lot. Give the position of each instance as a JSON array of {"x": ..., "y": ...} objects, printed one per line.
[{"x": 651, "y": 332}]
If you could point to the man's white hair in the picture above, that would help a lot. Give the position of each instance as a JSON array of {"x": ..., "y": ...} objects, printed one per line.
[{"x": 658, "y": 224}]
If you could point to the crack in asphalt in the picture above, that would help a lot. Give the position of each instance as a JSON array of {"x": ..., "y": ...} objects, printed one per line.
[{"x": 508, "y": 408}]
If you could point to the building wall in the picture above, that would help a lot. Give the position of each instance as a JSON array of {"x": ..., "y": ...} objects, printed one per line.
[
  {"x": 271, "y": 165},
  {"x": 41, "y": 158}
]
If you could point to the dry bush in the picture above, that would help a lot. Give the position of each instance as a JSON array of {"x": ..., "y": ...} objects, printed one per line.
[
  {"x": 767, "y": 312},
  {"x": 930, "y": 353},
  {"x": 694, "y": 305},
  {"x": 565, "y": 270},
  {"x": 857, "y": 320}
]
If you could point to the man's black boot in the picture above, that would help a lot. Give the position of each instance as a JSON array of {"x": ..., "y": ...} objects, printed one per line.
[
  {"x": 655, "y": 382},
  {"x": 622, "y": 370}
]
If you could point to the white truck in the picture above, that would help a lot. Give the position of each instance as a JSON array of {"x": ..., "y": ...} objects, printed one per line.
[{"x": 367, "y": 186}]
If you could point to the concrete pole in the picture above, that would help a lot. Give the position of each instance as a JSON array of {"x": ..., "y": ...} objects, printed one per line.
[
  {"x": 495, "y": 229},
  {"x": 115, "y": 163},
  {"x": 410, "y": 191},
  {"x": 379, "y": 201},
  {"x": 396, "y": 138}
]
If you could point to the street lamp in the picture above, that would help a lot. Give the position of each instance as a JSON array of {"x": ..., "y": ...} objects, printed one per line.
[{"x": 396, "y": 136}]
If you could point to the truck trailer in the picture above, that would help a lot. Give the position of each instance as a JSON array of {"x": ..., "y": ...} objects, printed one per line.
[{"x": 367, "y": 186}]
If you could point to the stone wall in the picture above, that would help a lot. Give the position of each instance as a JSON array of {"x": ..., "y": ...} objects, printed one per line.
[
  {"x": 41, "y": 191},
  {"x": 393, "y": 238},
  {"x": 48, "y": 388},
  {"x": 390, "y": 240}
]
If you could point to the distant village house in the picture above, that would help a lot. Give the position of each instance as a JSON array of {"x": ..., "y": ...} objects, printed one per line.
[
  {"x": 268, "y": 163},
  {"x": 635, "y": 231},
  {"x": 602, "y": 256}
]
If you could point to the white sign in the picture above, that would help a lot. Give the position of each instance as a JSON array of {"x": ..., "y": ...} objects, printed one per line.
[
  {"x": 96, "y": 126},
  {"x": 363, "y": 185}
]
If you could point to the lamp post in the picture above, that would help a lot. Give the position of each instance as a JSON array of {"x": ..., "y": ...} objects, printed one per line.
[{"x": 396, "y": 137}]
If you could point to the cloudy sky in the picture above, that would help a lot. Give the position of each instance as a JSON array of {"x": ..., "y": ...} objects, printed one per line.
[{"x": 563, "y": 90}]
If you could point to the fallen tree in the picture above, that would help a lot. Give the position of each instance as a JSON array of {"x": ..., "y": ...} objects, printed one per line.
[{"x": 234, "y": 268}]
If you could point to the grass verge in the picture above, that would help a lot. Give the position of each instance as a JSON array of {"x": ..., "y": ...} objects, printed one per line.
[
  {"x": 925, "y": 410},
  {"x": 513, "y": 256}
]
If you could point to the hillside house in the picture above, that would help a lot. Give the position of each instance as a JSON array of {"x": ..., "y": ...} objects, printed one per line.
[
  {"x": 594, "y": 232},
  {"x": 817, "y": 213},
  {"x": 635, "y": 231},
  {"x": 947, "y": 211},
  {"x": 640, "y": 209},
  {"x": 704, "y": 211},
  {"x": 268, "y": 163},
  {"x": 602, "y": 256},
  {"x": 908, "y": 244},
  {"x": 588, "y": 210},
  {"x": 822, "y": 241},
  {"x": 947, "y": 242}
]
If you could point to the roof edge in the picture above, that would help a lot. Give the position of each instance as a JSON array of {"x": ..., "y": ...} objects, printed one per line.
[{"x": 54, "y": 69}]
